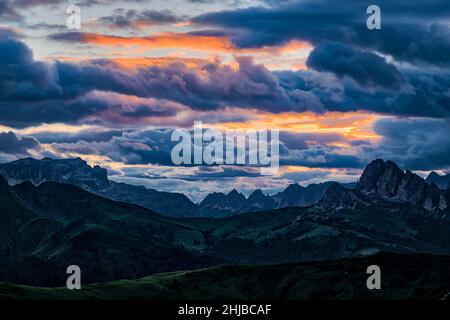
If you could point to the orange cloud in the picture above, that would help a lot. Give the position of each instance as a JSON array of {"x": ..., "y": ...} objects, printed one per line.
[
  {"x": 351, "y": 126},
  {"x": 172, "y": 40},
  {"x": 180, "y": 46},
  {"x": 163, "y": 41}
]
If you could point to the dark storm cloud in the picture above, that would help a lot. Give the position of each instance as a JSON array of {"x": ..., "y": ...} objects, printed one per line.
[
  {"x": 34, "y": 92},
  {"x": 10, "y": 143},
  {"x": 415, "y": 144},
  {"x": 424, "y": 93},
  {"x": 411, "y": 31},
  {"x": 219, "y": 86},
  {"x": 134, "y": 147},
  {"x": 366, "y": 68},
  {"x": 59, "y": 92}
]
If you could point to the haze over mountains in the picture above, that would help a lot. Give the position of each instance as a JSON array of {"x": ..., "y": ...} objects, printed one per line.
[
  {"x": 45, "y": 228},
  {"x": 95, "y": 180}
]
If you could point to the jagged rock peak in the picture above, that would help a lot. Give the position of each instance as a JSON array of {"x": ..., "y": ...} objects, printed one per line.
[
  {"x": 381, "y": 177},
  {"x": 388, "y": 181}
]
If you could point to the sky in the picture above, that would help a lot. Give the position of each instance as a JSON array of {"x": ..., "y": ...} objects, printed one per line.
[{"x": 113, "y": 91}]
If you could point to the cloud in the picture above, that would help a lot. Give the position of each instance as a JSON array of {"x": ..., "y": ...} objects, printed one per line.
[
  {"x": 424, "y": 92},
  {"x": 320, "y": 156},
  {"x": 34, "y": 92},
  {"x": 12, "y": 144},
  {"x": 8, "y": 11},
  {"x": 367, "y": 68},
  {"x": 133, "y": 148},
  {"x": 415, "y": 144},
  {"x": 85, "y": 135},
  {"x": 407, "y": 32},
  {"x": 133, "y": 19}
]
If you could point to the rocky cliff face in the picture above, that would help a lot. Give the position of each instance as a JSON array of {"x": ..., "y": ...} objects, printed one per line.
[
  {"x": 74, "y": 171},
  {"x": 388, "y": 181},
  {"x": 95, "y": 180}
]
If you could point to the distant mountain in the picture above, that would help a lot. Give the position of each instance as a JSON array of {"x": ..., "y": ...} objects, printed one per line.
[
  {"x": 258, "y": 201},
  {"x": 442, "y": 182},
  {"x": 222, "y": 205},
  {"x": 95, "y": 179},
  {"x": 297, "y": 196}
]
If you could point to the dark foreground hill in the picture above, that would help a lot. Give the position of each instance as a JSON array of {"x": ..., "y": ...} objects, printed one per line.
[
  {"x": 402, "y": 277},
  {"x": 46, "y": 228}
]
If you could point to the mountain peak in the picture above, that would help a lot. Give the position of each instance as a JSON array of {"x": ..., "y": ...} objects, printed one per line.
[
  {"x": 257, "y": 194},
  {"x": 293, "y": 190},
  {"x": 233, "y": 192},
  {"x": 235, "y": 195},
  {"x": 433, "y": 174},
  {"x": 380, "y": 176},
  {"x": 388, "y": 181}
]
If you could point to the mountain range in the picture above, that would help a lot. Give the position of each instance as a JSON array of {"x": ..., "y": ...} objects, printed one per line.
[
  {"x": 47, "y": 227},
  {"x": 223, "y": 205},
  {"x": 95, "y": 180}
]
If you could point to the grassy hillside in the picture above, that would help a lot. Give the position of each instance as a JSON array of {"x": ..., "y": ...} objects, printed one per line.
[
  {"x": 49, "y": 227},
  {"x": 403, "y": 277}
]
